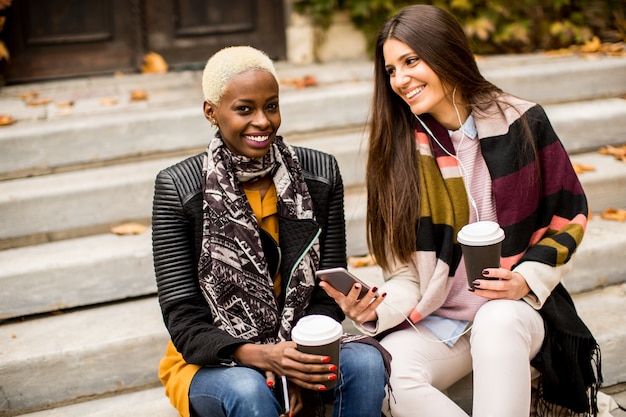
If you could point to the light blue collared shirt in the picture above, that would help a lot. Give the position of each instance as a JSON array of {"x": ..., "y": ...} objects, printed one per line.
[{"x": 469, "y": 128}]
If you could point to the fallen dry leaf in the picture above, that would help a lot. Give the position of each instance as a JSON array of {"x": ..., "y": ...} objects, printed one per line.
[
  {"x": 6, "y": 120},
  {"x": 580, "y": 168},
  {"x": 138, "y": 95},
  {"x": 614, "y": 214},
  {"x": 619, "y": 152},
  {"x": 153, "y": 64},
  {"x": 4, "y": 52},
  {"x": 361, "y": 261},
  {"x": 108, "y": 101},
  {"x": 38, "y": 102},
  {"x": 300, "y": 82},
  {"x": 129, "y": 229},
  {"x": 29, "y": 95},
  {"x": 65, "y": 104},
  {"x": 593, "y": 45}
]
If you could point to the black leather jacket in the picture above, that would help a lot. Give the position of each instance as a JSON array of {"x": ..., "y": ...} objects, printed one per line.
[{"x": 176, "y": 244}]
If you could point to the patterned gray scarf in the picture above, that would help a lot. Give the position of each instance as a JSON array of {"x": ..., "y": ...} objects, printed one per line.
[{"x": 233, "y": 271}]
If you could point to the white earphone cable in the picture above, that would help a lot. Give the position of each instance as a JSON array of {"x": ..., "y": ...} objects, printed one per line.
[
  {"x": 428, "y": 338},
  {"x": 464, "y": 172}
]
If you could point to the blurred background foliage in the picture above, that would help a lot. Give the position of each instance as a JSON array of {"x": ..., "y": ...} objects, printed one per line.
[{"x": 499, "y": 26}]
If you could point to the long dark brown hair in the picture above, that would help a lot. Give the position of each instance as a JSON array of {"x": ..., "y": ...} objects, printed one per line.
[{"x": 392, "y": 177}]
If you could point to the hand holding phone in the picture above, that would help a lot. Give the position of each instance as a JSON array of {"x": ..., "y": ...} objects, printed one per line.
[{"x": 342, "y": 280}]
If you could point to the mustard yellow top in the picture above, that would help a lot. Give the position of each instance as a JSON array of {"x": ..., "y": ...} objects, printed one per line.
[{"x": 176, "y": 374}]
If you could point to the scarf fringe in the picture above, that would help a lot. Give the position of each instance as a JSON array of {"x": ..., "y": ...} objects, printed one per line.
[{"x": 544, "y": 408}]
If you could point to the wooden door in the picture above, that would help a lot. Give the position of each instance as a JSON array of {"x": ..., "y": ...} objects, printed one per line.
[
  {"x": 63, "y": 38},
  {"x": 51, "y": 39},
  {"x": 188, "y": 31}
]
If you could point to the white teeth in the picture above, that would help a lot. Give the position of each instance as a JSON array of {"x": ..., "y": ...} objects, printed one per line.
[
  {"x": 257, "y": 138},
  {"x": 414, "y": 92}
]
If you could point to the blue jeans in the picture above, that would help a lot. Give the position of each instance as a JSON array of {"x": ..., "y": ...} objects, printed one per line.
[{"x": 242, "y": 392}]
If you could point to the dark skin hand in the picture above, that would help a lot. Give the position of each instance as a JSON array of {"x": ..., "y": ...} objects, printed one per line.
[
  {"x": 501, "y": 284},
  {"x": 301, "y": 369}
]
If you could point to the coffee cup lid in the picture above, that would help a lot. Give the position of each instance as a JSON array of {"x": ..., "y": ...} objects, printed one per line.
[
  {"x": 480, "y": 234},
  {"x": 316, "y": 329}
]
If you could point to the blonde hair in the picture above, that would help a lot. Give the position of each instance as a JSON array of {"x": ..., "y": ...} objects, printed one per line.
[{"x": 228, "y": 62}]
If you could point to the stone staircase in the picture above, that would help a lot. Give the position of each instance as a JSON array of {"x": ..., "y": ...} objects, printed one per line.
[{"x": 80, "y": 326}]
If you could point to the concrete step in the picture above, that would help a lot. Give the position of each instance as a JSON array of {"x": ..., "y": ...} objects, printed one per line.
[
  {"x": 52, "y": 207},
  {"x": 75, "y": 273},
  {"x": 153, "y": 403},
  {"x": 46, "y": 138},
  {"x": 61, "y": 205},
  {"x": 150, "y": 402},
  {"x": 81, "y": 354},
  {"x": 105, "y": 267},
  {"x": 120, "y": 345}
]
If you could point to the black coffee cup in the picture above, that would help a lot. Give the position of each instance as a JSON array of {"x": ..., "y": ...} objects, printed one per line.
[{"x": 481, "y": 243}]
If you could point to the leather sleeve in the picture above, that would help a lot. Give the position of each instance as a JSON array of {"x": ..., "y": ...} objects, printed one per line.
[{"x": 185, "y": 312}]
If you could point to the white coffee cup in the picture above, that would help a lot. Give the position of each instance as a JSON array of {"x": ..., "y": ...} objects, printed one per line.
[{"x": 319, "y": 335}]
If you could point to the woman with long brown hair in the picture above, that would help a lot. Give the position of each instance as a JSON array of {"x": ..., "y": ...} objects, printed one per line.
[{"x": 448, "y": 148}]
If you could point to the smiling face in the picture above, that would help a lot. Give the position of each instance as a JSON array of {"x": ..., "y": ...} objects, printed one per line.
[
  {"x": 417, "y": 84},
  {"x": 248, "y": 115}
]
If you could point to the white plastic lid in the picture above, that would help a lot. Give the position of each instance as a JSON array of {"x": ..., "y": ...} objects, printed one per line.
[
  {"x": 315, "y": 330},
  {"x": 480, "y": 234}
]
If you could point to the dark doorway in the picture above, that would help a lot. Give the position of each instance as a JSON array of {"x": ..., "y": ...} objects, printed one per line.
[{"x": 68, "y": 38}]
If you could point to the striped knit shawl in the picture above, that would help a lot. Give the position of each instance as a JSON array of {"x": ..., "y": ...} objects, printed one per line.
[
  {"x": 539, "y": 201},
  {"x": 542, "y": 208}
]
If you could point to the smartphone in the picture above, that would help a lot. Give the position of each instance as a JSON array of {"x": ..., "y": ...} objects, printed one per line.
[{"x": 342, "y": 280}]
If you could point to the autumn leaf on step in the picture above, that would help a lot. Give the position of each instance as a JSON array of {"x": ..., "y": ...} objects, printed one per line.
[
  {"x": 108, "y": 101},
  {"x": 619, "y": 152},
  {"x": 614, "y": 214},
  {"x": 6, "y": 120},
  {"x": 38, "y": 102},
  {"x": 65, "y": 104},
  {"x": 138, "y": 95},
  {"x": 361, "y": 261},
  {"x": 129, "y": 229},
  {"x": 4, "y": 52},
  {"x": 580, "y": 168},
  {"x": 29, "y": 95},
  {"x": 153, "y": 64},
  {"x": 593, "y": 45},
  {"x": 300, "y": 82}
]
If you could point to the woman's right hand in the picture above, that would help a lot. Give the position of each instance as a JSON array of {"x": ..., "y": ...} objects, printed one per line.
[
  {"x": 359, "y": 310},
  {"x": 306, "y": 370}
]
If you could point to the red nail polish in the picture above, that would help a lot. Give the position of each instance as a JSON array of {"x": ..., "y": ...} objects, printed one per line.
[
  {"x": 485, "y": 272},
  {"x": 374, "y": 289},
  {"x": 476, "y": 283},
  {"x": 322, "y": 388},
  {"x": 470, "y": 289},
  {"x": 270, "y": 384},
  {"x": 332, "y": 377},
  {"x": 326, "y": 359},
  {"x": 332, "y": 368}
]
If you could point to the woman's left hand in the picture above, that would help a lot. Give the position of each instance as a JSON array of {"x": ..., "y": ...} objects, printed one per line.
[{"x": 500, "y": 283}]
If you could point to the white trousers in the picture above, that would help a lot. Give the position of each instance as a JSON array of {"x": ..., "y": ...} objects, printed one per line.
[{"x": 505, "y": 336}]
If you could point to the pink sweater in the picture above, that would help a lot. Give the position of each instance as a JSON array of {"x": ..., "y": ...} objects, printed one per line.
[{"x": 462, "y": 304}]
